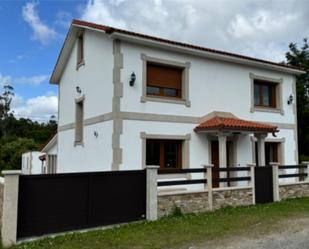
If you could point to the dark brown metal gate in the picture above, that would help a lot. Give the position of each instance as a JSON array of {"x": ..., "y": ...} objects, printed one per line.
[
  {"x": 263, "y": 184},
  {"x": 63, "y": 202}
]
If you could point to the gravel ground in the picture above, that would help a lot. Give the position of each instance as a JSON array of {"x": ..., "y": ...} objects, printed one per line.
[{"x": 289, "y": 234}]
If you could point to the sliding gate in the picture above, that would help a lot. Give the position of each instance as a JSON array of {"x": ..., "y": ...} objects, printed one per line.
[{"x": 63, "y": 202}]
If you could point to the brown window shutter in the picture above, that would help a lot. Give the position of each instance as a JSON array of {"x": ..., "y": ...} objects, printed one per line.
[
  {"x": 164, "y": 76},
  {"x": 273, "y": 96},
  {"x": 80, "y": 49}
]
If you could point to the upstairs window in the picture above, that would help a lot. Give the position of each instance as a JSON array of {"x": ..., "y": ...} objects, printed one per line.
[
  {"x": 265, "y": 94},
  {"x": 80, "y": 49},
  {"x": 164, "y": 80},
  {"x": 165, "y": 153},
  {"x": 79, "y": 121}
]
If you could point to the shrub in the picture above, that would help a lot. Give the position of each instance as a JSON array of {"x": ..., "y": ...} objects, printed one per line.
[{"x": 176, "y": 211}]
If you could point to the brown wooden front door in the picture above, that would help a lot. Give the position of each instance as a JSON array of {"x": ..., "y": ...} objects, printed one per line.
[{"x": 215, "y": 162}]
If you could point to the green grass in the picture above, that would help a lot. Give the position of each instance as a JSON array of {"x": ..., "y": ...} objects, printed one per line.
[{"x": 176, "y": 232}]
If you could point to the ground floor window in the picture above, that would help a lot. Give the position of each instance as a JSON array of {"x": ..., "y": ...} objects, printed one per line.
[
  {"x": 166, "y": 153},
  {"x": 271, "y": 152}
]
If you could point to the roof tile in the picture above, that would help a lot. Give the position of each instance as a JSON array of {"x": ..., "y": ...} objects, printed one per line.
[
  {"x": 222, "y": 123},
  {"x": 110, "y": 30}
]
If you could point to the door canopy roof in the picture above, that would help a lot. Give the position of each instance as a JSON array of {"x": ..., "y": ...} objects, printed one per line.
[{"x": 219, "y": 121}]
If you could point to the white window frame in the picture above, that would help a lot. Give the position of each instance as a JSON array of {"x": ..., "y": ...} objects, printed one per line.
[
  {"x": 279, "y": 100},
  {"x": 79, "y": 127}
]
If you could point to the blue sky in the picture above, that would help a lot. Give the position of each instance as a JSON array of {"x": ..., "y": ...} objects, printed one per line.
[
  {"x": 32, "y": 33},
  {"x": 27, "y": 58}
]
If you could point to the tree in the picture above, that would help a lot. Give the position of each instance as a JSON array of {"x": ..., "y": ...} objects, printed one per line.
[
  {"x": 299, "y": 57},
  {"x": 18, "y": 136},
  {"x": 5, "y": 101},
  {"x": 5, "y": 107},
  {"x": 12, "y": 150}
]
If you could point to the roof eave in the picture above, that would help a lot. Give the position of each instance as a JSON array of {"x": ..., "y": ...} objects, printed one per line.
[
  {"x": 77, "y": 25},
  {"x": 62, "y": 57},
  {"x": 208, "y": 54},
  {"x": 66, "y": 50},
  {"x": 226, "y": 129},
  {"x": 50, "y": 143}
]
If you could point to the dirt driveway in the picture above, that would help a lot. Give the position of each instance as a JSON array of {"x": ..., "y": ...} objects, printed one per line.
[{"x": 288, "y": 234}]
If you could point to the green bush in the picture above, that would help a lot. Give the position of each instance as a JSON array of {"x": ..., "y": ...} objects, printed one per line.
[{"x": 176, "y": 211}]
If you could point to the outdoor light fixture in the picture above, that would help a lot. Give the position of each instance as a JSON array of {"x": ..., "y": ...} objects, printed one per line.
[
  {"x": 96, "y": 134},
  {"x": 132, "y": 79},
  {"x": 290, "y": 100},
  {"x": 78, "y": 90}
]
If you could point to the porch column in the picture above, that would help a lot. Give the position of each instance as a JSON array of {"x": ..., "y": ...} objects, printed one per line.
[
  {"x": 222, "y": 156},
  {"x": 261, "y": 148}
]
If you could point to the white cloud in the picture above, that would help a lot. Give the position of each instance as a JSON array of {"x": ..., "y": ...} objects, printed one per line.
[
  {"x": 19, "y": 58},
  {"x": 240, "y": 27},
  {"x": 39, "y": 108},
  {"x": 33, "y": 80},
  {"x": 256, "y": 28},
  {"x": 97, "y": 11},
  {"x": 41, "y": 31},
  {"x": 63, "y": 19},
  {"x": 5, "y": 80}
]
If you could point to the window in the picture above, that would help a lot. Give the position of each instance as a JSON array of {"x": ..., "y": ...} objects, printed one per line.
[
  {"x": 166, "y": 153},
  {"x": 265, "y": 94},
  {"x": 79, "y": 121},
  {"x": 164, "y": 80},
  {"x": 271, "y": 153},
  {"x": 80, "y": 49}
]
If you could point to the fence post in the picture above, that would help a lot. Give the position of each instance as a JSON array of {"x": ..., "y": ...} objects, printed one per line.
[
  {"x": 208, "y": 176},
  {"x": 275, "y": 169},
  {"x": 252, "y": 182},
  {"x": 10, "y": 205},
  {"x": 151, "y": 192},
  {"x": 307, "y": 164}
]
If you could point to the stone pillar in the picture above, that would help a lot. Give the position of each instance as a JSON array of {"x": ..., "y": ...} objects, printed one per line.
[
  {"x": 261, "y": 148},
  {"x": 222, "y": 156},
  {"x": 252, "y": 182},
  {"x": 275, "y": 168},
  {"x": 208, "y": 186},
  {"x": 151, "y": 192},
  {"x": 10, "y": 205}
]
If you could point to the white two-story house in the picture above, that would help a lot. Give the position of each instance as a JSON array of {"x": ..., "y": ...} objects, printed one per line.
[{"x": 127, "y": 100}]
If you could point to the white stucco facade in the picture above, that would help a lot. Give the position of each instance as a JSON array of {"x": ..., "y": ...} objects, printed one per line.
[
  {"x": 94, "y": 155},
  {"x": 115, "y": 117},
  {"x": 31, "y": 164}
]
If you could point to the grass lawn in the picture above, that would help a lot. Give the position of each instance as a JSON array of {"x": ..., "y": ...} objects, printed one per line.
[{"x": 176, "y": 232}]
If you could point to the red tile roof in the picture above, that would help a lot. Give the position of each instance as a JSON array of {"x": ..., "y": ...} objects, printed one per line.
[
  {"x": 226, "y": 123},
  {"x": 110, "y": 30}
]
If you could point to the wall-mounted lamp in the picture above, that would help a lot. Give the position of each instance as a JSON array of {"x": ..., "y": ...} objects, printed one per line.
[
  {"x": 78, "y": 90},
  {"x": 132, "y": 79},
  {"x": 290, "y": 100},
  {"x": 96, "y": 134}
]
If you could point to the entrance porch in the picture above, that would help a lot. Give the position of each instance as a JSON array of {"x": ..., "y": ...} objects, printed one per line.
[{"x": 225, "y": 132}]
